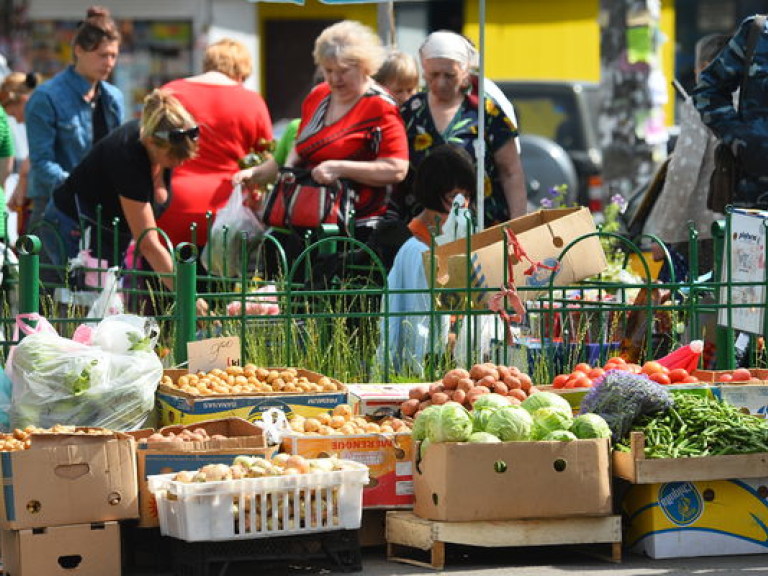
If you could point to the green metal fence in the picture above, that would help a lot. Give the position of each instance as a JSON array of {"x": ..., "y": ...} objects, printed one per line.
[{"x": 337, "y": 328}]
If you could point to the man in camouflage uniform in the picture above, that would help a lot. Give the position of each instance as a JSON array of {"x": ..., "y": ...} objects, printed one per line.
[{"x": 746, "y": 131}]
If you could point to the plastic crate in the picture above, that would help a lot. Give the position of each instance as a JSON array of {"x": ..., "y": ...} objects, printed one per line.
[{"x": 260, "y": 507}]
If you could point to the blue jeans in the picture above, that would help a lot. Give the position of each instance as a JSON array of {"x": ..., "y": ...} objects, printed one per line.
[{"x": 59, "y": 234}]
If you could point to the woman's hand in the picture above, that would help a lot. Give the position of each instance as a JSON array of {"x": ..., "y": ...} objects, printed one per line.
[
  {"x": 327, "y": 172},
  {"x": 244, "y": 177}
]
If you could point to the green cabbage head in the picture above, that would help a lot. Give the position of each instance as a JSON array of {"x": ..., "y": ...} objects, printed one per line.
[
  {"x": 590, "y": 425},
  {"x": 542, "y": 399},
  {"x": 510, "y": 424},
  {"x": 550, "y": 418},
  {"x": 483, "y": 438},
  {"x": 419, "y": 430},
  {"x": 561, "y": 436},
  {"x": 451, "y": 422}
]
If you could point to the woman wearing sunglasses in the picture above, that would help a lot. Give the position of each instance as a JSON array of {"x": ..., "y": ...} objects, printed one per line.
[{"x": 125, "y": 177}]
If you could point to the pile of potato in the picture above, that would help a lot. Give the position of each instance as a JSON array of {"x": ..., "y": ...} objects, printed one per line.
[
  {"x": 281, "y": 464},
  {"x": 248, "y": 379},
  {"x": 186, "y": 435},
  {"x": 465, "y": 386},
  {"x": 342, "y": 422},
  {"x": 22, "y": 439}
]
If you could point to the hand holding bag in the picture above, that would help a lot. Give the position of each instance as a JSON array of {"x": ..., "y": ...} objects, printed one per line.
[{"x": 298, "y": 201}]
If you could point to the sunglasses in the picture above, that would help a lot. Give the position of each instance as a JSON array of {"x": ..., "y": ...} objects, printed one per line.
[{"x": 177, "y": 136}]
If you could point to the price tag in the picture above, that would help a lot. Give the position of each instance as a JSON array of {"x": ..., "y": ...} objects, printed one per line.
[{"x": 205, "y": 355}]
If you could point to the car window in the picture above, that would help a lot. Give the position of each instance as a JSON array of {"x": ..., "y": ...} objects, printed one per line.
[{"x": 553, "y": 117}]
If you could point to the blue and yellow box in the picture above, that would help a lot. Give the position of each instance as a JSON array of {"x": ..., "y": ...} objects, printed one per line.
[
  {"x": 177, "y": 407},
  {"x": 706, "y": 518}
]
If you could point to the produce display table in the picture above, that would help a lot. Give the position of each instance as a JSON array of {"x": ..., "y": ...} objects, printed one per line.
[{"x": 407, "y": 535}]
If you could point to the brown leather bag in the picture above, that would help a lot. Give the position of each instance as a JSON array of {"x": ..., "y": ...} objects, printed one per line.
[{"x": 723, "y": 181}]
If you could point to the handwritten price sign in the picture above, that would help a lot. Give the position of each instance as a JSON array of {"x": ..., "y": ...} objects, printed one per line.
[{"x": 205, "y": 355}]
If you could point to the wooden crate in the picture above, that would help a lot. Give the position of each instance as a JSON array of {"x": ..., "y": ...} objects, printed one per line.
[
  {"x": 637, "y": 469},
  {"x": 408, "y": 534}
]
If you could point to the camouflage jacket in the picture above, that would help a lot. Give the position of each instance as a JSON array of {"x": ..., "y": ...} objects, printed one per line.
[{"x": 745, "y": 131}]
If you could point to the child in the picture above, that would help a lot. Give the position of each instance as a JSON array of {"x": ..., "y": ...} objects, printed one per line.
[
  {"x": 445, "y": 173},
  {"x": 399, "y": 75}
]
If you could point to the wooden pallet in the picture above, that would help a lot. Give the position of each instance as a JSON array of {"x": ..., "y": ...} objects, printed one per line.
[{"x": 407, "y": 535}]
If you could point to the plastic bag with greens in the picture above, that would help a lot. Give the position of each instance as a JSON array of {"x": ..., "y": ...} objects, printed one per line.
[{"x": 109, "y": 383}]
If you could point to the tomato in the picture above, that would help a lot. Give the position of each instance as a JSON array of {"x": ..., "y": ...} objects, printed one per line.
[
  {"x": 634, "y": 368},
  {"x": 678, "y": 374},
  {"x": 741, "y": 375},
  {"x": 578, "y": 380},
  {"x": 560, "y": 380},
  {"x": 595, "y": 373},
  {"x": 582, "y": 367},
  {"x": 653, "y": 367},
  {"x": 690, "y": 380},
  {"x": 725, "y": 378},
  {"x": 660, "y": 377},
  {"x": 614, "y": 366},
  {"x": 616, "y": 360}
]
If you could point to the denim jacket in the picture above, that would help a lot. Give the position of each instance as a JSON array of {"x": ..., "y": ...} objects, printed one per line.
[{"x": 60, "y": 127}]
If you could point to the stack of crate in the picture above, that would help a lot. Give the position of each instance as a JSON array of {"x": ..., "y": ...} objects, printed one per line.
[{"x": 62, "y": 500}]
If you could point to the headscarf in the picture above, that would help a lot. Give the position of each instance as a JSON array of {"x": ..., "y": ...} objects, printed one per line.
[{"x": 444, "y": 44}]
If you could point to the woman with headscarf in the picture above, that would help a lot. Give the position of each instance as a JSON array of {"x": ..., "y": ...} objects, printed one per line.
[{"x": 447, "y": 112}]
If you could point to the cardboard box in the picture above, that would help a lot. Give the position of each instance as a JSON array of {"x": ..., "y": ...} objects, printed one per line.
[
  {"x": 638, "y": 469},
  {"x": 749, "y": 398},
  {"x": 689, "y": 519},
  {"x": 83, "y": 549},
  {"x": 177, "y": 407},
  {"x": 542, "y": 235},
  {"x": 69, "y": 479},
  {"x": 388, "y": 457},
  {"x": 244, "y": 438},
  {"x": 462, "y": 482},
  {"x": 366, "y": 399}
]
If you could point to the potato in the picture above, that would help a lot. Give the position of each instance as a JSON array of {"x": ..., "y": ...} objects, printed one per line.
[
  {"x": 440, "y": 398},
  {"x": 473, "y": 395},
  {"x": 435, "y": 388},
  {"x": 525, "y": 382},
  {"x": 499, "y": 388},
  {"x": 487, "y": 381},
  {"x": 479, "y": 371},
  {"x": 518, "y": 393},
  {"x": 481, "y": 389},
  {"x": 409, "y": 407},
  {"x": 459, "y": 396},
  {"x": 466, "y": 384},
  {"x": 503, "y": 371},
  {"x": 512, "y": 382},
  {"x": 425, "y": 404},
  {"x": 419, "y": 393}
]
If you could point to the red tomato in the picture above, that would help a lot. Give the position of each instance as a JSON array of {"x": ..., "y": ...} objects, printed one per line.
[
  {"x": 741, "y": 374},
  {"x": 690, "y": 380},
  {"x": 660, "y": 377},
  {"x": 614, "y": 366},
  {"x": 616, "y": 360},
  {"x": 725, "y": 378},
  {"x": 578, "y": 380},
  {"x": 678, "y": 374},
  {"x": 596, "y": 373},
  {"x": 653, "y": 367},
  {"x": 582, "y": 367},
  {"x": 560, "y": 380}
]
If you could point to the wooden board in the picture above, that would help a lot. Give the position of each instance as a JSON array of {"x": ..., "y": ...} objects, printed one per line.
[
  {"x": 638, "y": 469},
  {"x": 406, "y": 532}
]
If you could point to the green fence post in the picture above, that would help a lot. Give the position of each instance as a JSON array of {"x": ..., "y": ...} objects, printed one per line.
[
  {"x": 28, "y": 248},
  {"x": 724, "y": 336},
  {"x": 186, "y": 298}
]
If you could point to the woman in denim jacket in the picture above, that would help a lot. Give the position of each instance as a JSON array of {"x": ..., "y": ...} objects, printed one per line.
[{"x": 68, "y": 114}]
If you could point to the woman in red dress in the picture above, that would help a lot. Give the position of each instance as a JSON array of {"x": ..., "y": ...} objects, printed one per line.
[{"x": 233, "y": 121}]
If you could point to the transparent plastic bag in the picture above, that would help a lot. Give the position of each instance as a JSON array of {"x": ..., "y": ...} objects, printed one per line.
[
  {"x": 223, "y": 249},
  {"x": 109, "y": 301},
  {"x": 60, "y": 381}
]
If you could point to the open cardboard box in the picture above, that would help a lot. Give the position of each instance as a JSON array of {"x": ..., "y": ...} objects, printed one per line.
[
  {"x": 543, "y": 235},
  {"x": 69, "y": 479},
  {"x": 638, "y": 469},
  {"x": 464, "y": 482},
  {"x": 177, "y": 407},
  {"x": 243, "y": 438},
  {"x": 82, "y": 549}
]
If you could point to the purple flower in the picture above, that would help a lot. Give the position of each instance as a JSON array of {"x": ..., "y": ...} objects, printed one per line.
[
  {"x": 546, "y": 203},
  {"x": 618, "y": 199}
]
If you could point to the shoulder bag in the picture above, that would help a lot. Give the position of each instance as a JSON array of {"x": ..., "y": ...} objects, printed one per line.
[{"x": 725, "y": 177}]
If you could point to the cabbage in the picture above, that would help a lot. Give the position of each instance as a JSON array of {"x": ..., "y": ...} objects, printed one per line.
[
  {"x": 561, "y": 436},
  {"x": 419, "y": 430},
  {"x": 542, "y": 399},
  {"x": 510, "y": 423},
  {"x": 480, "y": 418},
  {"x": 590, "y": 426},
  {"x": 423, "y": 447},
  {"x": 451, "y": 422},
  {"x": 483, "y": 438},
  {"x": 550, "y": 418},
  {"x": 490, "y": 401}
]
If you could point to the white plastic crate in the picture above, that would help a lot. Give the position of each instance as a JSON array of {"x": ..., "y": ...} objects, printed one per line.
[{"x": 260, "y": 507}]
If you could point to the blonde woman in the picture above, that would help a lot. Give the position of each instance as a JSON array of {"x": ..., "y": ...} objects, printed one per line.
[
  {"x": 14, "y": 94},
  {"x": 400, "y": 75},
  {"x": 128, "y": 174},
  {"x": 234, "y": 121}
]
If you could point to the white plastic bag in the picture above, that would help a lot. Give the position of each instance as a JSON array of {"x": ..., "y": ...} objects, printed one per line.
[
  {"x": 108, "y": 302},
  {"x": 224, "y": 244},
  {"x": 455, "y": 226},
  {"x": 60, "y": 381}
]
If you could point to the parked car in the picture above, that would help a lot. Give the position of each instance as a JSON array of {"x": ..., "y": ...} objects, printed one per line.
[{"x": 565, "y": 113}]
